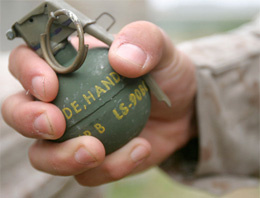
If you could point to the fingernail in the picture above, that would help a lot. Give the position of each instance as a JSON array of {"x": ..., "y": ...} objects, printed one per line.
[
  {"x": 132, "y": 54},
  {"x": 83, "y": 156},
  {"x": 43, "y": 126},
  {"x": 38, "y": 86},
  {"x": 139, "y": 153}
]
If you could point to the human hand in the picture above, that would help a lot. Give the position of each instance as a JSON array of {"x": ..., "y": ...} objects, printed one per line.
[{"x": 139, "y": 48}]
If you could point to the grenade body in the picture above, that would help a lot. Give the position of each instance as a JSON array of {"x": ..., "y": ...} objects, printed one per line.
[{"x": 97, "y": 101}]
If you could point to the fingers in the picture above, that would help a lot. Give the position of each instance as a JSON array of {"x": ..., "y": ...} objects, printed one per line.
[
  {"x": 33, "y": 119},
  {"x": 118, "y": 164},
  {"x": 34, "y": 73},
  {"x": 85, "y": 157},
  {"x": 138, "y": 48},
  {"x": 68, "y": 158}
]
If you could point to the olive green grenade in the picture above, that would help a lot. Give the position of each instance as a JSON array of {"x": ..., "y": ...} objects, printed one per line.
[{"x": 94, "y": 99}]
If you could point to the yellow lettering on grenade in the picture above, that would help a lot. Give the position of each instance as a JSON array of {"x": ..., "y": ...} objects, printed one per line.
[
  {"x": 75, "y": 107},
  {"x": 144, "y": 86},
  {"x": 99, "y": 91},
  {"x": 88, "y": 97},
  {"x": 142, "y": 89},
  {"x": 119, "y": 117},
  {"x": 138, "y": 94},
  {"x": 101, "y": 129},
  {"x": 87, "y": 133},
  {"x": 115, "y": 77},
  {"x": 124, "y": 110},
  {"x": 67, "y": 112}
]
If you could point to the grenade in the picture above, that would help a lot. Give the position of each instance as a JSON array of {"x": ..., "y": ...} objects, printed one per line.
[
  {"x": 97, "y": 101},
  {"x": 93, "y": 98}
]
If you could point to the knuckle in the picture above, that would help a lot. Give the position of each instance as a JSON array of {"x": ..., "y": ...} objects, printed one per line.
[
  {"x": 81, "y": 180},
  {"x": 112, "y": 173},
  {"x": 11, "y": 62},
  {"x": 5, "y": 109},
  {"x": 85, "y": 180},
  {"x": 59, "y": 165},
  {"x": 14, "y": 57}
]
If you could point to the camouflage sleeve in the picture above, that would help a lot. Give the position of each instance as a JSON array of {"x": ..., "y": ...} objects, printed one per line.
[{"x": 227, "y": 103}]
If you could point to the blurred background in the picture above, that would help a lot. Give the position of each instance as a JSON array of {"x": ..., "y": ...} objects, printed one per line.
[{"x": 183, "y": 20}]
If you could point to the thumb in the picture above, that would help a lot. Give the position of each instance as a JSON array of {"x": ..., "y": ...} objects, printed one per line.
[{"x": 138, "y": 48}]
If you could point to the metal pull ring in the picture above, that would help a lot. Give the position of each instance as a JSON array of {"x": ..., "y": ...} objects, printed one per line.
[{"x": 46, "y": 46}]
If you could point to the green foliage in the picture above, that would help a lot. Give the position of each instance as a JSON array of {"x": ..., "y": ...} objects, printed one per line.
[{"x": 151, "y": 184}]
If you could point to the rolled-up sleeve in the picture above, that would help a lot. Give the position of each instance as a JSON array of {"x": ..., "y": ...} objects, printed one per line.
[{"x": 227, "y": 102}]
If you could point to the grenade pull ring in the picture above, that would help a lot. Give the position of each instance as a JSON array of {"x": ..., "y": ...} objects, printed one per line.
[{"x": 46, "y": 46}]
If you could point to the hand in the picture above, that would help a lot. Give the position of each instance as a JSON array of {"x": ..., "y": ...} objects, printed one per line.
[{"x": 139, "y": 48}]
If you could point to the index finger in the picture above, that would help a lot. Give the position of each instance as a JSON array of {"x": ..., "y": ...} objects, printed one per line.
[{"x": 33, "y": 73}]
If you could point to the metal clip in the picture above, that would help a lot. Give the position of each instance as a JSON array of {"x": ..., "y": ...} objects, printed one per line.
[
  {"x": 113, "y": 19},
  {"x": 46, "y": 47}
]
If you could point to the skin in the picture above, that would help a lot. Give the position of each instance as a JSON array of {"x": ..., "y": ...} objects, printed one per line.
[{"x": 139, "y": 48}]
